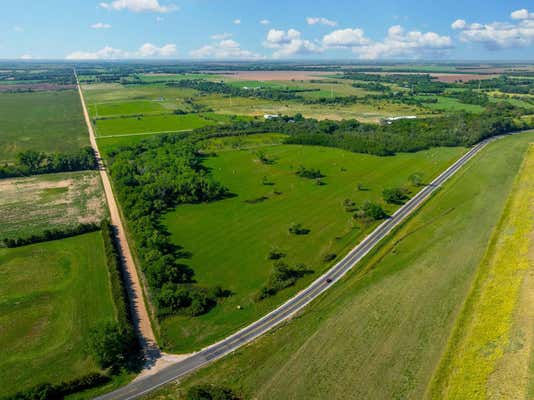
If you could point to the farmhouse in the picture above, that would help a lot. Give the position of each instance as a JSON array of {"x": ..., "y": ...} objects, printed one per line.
[{"x": 390, "y": 120}]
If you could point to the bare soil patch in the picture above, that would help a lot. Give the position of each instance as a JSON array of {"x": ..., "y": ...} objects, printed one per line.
[{"x": 31, "y": 205}]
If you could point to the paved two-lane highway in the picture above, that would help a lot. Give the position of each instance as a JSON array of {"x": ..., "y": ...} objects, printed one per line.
[{"x": 142, "y": 386}]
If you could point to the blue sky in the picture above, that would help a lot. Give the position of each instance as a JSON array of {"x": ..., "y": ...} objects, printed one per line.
[{"x": 238, "y": 29}]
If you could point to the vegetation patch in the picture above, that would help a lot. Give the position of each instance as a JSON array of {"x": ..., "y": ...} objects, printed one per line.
[
  {"x": 41, "y": 121},
  {"x": 229, "y": 240},
  {"x": 485, "y": 358},
  {"x": 391, "y": 318},
  {"x": 45, "y": 320}
]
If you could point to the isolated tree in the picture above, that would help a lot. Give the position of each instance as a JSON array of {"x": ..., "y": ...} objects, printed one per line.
[
  {"x": 416, "y": 179},
  {"x": 395, "y": 195},
  {"x": 111, "y": 345}
]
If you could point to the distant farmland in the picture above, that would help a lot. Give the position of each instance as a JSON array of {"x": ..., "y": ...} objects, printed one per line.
[{"x": 42, "y": 121}]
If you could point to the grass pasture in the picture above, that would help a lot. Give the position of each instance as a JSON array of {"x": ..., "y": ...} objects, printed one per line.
[
  {"x": 51, "y": 295},
  {"x": 490, "y": 350},
  {"x": 230, "y": 239},
  {"x": 380, "y": 333},
  {"x": 150, "y": 124},
  {"x": 42, "y": 121},
  {"x": 30, "y": 205}
]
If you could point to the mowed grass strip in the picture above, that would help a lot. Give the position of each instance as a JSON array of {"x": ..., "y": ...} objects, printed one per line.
[
  {"x": 230, "y": 240},
  {"x": 488, "y": 355},
  {"x": 51, "y": 295},
  {"x": 380, "y": 332},
  {"x": 41, "y": 121}
]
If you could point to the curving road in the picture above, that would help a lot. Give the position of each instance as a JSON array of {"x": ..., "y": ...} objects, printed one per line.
[{"x": 141, "y": 386}]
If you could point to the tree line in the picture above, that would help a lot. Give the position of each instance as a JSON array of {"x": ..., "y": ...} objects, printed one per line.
[
  {"x": 31, "y": 162},
  {"x": 150, "y": 179}
]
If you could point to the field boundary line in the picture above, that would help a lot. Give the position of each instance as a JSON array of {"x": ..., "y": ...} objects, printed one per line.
[
  {"x": 141, "y": 319},
  {"x": 142, "y": 133}
]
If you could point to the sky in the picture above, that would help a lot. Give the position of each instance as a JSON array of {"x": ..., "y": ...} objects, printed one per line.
[{"x": 358, "y": 30}]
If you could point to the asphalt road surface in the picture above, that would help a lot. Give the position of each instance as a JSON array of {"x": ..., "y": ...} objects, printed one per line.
[{"x": 142, "y": 386}]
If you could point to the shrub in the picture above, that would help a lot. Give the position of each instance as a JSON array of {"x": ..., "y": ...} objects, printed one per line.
[
  {"x": 329, "y": 257},
  {"x": 395, "y": 195},
  {"x": 371, "y": 211},
  {"x": 276, "y": 255},
  {"x": 110, "y": 344},
  {"x": 47, "y": 391},
  {"x": 309, "y": 173},
  {"x": 297, "y": 229},
  {"x": 210, "y": 392},
  {"x": 282, "y": 277}
]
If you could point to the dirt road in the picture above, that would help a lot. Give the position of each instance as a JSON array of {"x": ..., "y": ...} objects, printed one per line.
[{"x": 135, "y": 291}]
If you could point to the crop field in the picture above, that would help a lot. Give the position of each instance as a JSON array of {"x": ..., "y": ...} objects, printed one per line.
[
  {"x": 33, "y": 204},
  {"x": 381, "y": 331},
  {"x": 490, "y": 351},
  {"x": 230, "y": 239},
  {"x": 126, "y": 108},
  {"x": 42, "y": 121},
  {"x": 47, "y": 309},
  {"x": 114, "y": 92},
  {"x": 150, "y": 123},
  {"x": 451, "y": 104}
]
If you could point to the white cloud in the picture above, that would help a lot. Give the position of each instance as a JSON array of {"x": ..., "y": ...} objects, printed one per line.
[
  {"x": 150, "y": 50},
  {"x": 521, "y": 14},
  {"x": 499, "y": 35},
  {"x": 139, "y": 6},
  {"x": 237, "y": 21},
  {"x": 225, "y": 49},
  {"x": 18, "y": 28},
  {"x": 221, "y": 36},
  {"x": 110, "y": 53},
  {"x": 345, "y": 38},
  {"x": 401, "y": 44},
  {"x": 265, "y": 22},
  {"x": 289, "y": 43},
  {"x": 321, "y": 21},
  {"x": 100, "y": 25},
  {"x": 459, "y": 24},
  {"x": 26, "y": 57}
]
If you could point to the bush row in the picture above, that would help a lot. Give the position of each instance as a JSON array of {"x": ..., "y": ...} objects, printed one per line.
[
  {"x": 51, "y": 234},
  {"x": 152, "y": 178},
  {"x": 47, "y": 391}
]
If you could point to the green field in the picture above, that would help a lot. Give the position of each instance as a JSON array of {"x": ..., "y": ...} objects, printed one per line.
[
  {"x": 489, "y": 352},
  {"x": 30, "y": 205},
  {"x": 125, "y": 108},
  {"x": 380, "y": 333},
  {"x": 150, "y": 123},
  {"x": 42, "y": 121},
  {"x": 51, "y": 295},
  {"x": 451, "y": 104},
  {"x": 230, "y": 239}
]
